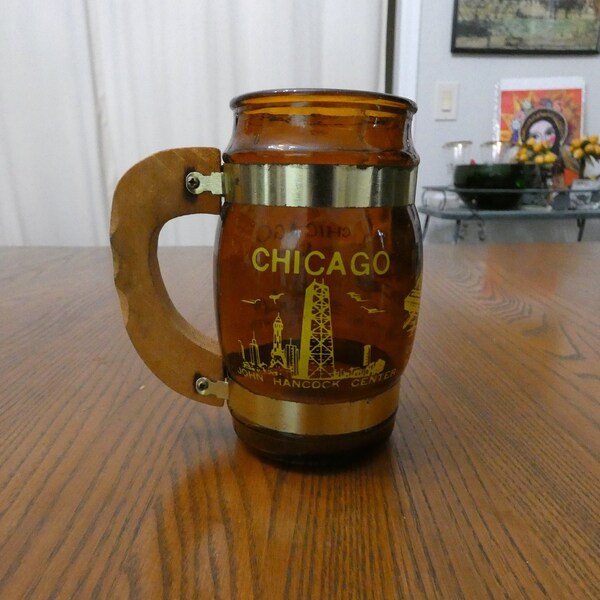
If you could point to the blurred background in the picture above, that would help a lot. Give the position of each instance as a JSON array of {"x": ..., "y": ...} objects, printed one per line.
[{"x": 88, "y": 88}]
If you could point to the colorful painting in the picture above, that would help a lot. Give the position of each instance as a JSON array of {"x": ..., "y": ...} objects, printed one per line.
[{"x": 519, "y": 100}]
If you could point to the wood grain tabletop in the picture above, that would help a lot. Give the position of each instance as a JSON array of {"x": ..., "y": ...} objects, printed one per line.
[{"x": 112, "y": 486}]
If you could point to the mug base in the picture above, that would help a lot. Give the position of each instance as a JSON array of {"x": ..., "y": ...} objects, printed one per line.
[{"x": 312, "y": 450}]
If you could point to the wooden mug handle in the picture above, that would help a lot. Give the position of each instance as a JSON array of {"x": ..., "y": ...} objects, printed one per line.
[{"x": 151, "y": 193}]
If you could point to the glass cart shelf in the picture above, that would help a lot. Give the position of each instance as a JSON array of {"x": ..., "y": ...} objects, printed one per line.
[{"x": 442, "y": 202}]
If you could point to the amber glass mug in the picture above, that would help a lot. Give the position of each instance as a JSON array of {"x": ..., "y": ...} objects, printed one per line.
[{"x": 317, "y": 269}]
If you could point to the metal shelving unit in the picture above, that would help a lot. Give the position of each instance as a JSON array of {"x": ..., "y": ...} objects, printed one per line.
[{"x": 442, "y": 202}]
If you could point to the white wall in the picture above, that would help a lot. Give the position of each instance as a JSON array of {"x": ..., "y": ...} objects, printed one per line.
[{"x": 477, "y": 76}]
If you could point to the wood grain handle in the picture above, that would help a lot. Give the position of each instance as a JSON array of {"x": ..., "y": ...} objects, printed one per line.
[{"x": 151, "y": 193}]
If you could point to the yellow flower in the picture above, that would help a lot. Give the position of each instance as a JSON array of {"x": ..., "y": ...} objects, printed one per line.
[
  {"x": 575, "y": 143},
  {"x": 578, "y": 153},
  {"x": 532, "y": 151},
  {"x": 538, "y": 147},
  {"x": 594, "y": 139}
]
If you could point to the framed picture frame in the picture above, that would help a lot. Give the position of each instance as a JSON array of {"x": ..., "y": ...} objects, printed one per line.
[
  {"x": 519, "y": 100},
  {"x": 526, "y": 27}
]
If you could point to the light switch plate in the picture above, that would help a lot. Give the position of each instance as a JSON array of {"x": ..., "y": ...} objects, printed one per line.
[{"x": 446, "y": 100}]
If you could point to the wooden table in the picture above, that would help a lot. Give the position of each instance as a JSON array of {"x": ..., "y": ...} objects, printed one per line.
[{"x": 113, "y": 487}]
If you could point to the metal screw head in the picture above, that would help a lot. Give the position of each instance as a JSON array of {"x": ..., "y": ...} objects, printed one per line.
[
  {"x": 201, "y": 384},
  {"x": 192, "y": 182}
]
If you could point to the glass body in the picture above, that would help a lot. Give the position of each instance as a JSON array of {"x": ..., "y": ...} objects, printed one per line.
[{"x": 317, "y": 301}]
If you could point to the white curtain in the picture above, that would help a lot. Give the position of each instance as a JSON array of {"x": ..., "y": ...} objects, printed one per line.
[{"x": 87, "y": 88}]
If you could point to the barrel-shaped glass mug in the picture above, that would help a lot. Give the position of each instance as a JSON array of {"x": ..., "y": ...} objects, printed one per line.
[{"x": 318, "y": 269}]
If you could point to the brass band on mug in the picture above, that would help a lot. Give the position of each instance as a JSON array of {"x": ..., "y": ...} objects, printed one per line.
[
  {"x": 316, "y": 185},
  {"x": 312, "y": 419}
]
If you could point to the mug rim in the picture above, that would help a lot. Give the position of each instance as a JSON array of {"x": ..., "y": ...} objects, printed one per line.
[{"x": 321, "y": 96}]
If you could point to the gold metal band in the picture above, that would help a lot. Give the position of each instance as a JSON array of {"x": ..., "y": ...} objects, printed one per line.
[
  {"x": 312, "y": 419},
  {"x": 325, "y": 186}
]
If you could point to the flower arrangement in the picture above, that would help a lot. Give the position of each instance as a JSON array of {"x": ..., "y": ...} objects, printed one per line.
[
  {"x": 585, "y": 150},
  {"x": 538, "y": 153}
]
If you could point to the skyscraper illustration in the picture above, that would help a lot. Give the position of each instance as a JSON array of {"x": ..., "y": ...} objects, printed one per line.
[
  {"x": 411, "y": 306},
  {"x": 255, "y": 353},
  {"x": 278, "y": 358},
  {"x": 311, "y": 358},
  {"x": 292, "y": 355},
  {"x": 316, "y": 341},
  {"x": 366, "y": 354}
]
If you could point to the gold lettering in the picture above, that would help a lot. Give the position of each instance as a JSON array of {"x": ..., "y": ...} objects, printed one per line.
[
  {"x": 363, "y": 268},
  {"x": 315, "y": 263},
  {"x": 285, "y": 260},
  {"x": 381, "y": 270},
  {"x": 296, "y": 262},
  {"x": 370, "y": 380},
  {"x": 336, "y": 264},
  {"x": 307, "y": 266},
  {"x": 255, "y": 262}
]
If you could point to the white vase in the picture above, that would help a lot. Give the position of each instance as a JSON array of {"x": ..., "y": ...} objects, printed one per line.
[{"x": 592, "y": 169}]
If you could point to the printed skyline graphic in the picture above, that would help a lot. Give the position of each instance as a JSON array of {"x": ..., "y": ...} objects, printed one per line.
[{"x": 313, "y": 358}]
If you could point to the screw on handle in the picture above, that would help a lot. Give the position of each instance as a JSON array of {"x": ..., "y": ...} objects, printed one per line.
[{"x": 196, "y": 183}]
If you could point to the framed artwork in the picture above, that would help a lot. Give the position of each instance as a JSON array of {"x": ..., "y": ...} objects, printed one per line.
[
  {"x": 526, "y": 26},
  {"x": 526, "y": 105}
]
